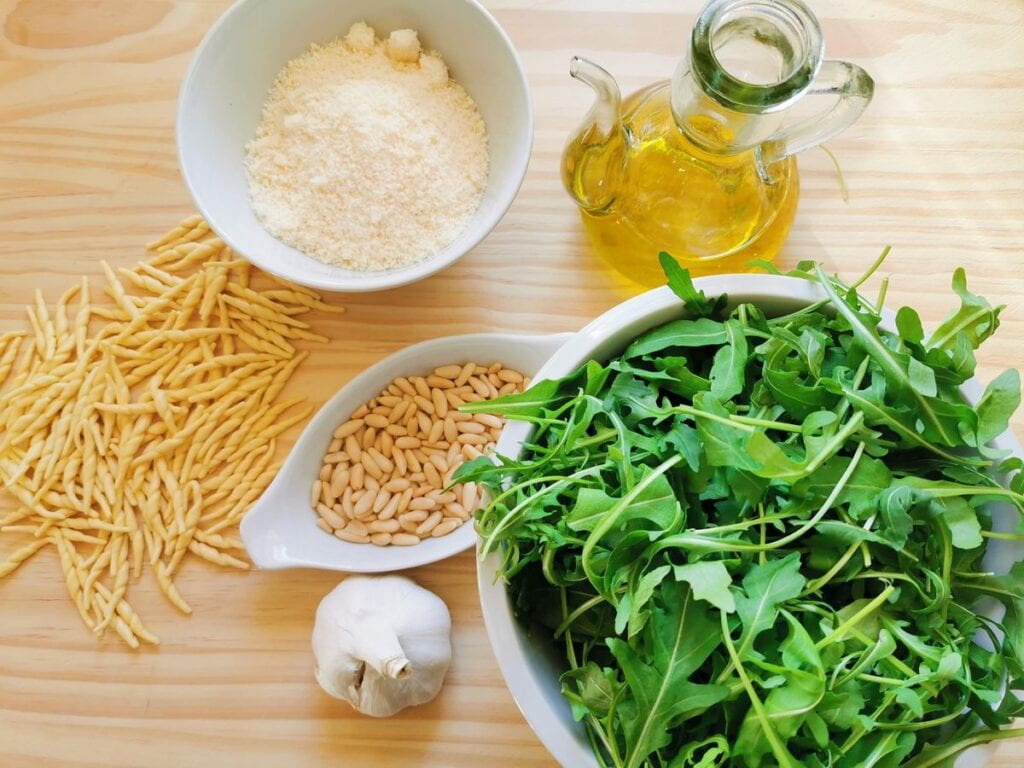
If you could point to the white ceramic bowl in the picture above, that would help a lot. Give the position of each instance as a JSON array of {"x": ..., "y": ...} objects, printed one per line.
[
  {"x": 530, "y": 665},
  {"x": 281, "y": 532},
  {"x": 231, "y": 74}
]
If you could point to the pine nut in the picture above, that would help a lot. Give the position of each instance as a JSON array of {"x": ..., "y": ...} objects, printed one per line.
[
  {"x": 448, "y": 371},
  {"x": 356, "y": 527},
  {"x": 453, "y": 457},
  {"x": 314, "y": 494},
  {"x": 351, "y": 537},
  {"x": 389, "y": 400},
  {"x": 430, "y": 523},
  {"x": 371, "y": 466},
  {"x": 323, "y": 525},
  {"x": 451, "y": 431},
  {"x": 479, "y": 387},
  {"x": 424, "y": 403},
  {"x": 469, "y": 496},
  {"x": 368, "y": 437},
  {"x": 444, "y": 528},
  {"x": 453, "y": 399},
  {"x": 397, "y": 485},
  {"x": 424, "y": 422},
  {"x": 348, "y": 428},
  {"x": 330, "y": 516},
  {"x": 404, "y": 539},
  {"x": 417, "y": 516},
  {"x": 508, "y": 375},
  {"x": 439, "y": 382},
  {"x": 384, "y": 526},
  {"x": 421, "y": 490},
  {"x": 405, "y": 385},
  {"x": 507, "y": 389},
  {"x": 335, "y": 445},
  {"x": 458, "y": 416},
  {"x": 383, "y": 497},
  {"x": 365, "y": 503},
  {"x": 413, "y": 462},
  {"x": 339, "y": 481},
  {"x": 495, "y": 433},
  {"x": 488, "y": 420},
  {"x": 404, "y": 500},
  {"x": 398, "y": 411},
  {"x": 494, "y": 380},
  {"x": 446, "y": 497},
  {"x": 473, "y": 427},
  {"x": 380, "y": 460},
  {"x": 392, "y": 507},
  {"x": 432, "y": 475},
  {"x": 401, "y": 467},
  {"x": 325, "y": 473},
  {"x": 347, "y": 505},
  {"x": 386, "y": 444},
  {"x": 336, "y": 458},
  {"x": 457, "y": 511},
  {"x": 470, "y": 452},
  {"x": 468, "y": 439},
  {"x": 464, "y": 374},
  {"x": 381, "y": 410},
  {"x": 479, "y": 370},
  {"x": 380, "y": 539},
  {"x": 376, "y": 421},
  {"x": 421, "y": 385},
  {"x": 361, "y": 411},
  {"x": 396, "y": 431},
  {"x": 410, "y": 527},
  {"x": 439, "y": 463},
  {"x": 371, "y": 483},
  {"x": 407, "y": 442},
  {"x": 440, "y": 403},
  {"x": 394, "y": 390},
  {"x": 423, "y": 502},
  {"x": 353, "y": 448}
]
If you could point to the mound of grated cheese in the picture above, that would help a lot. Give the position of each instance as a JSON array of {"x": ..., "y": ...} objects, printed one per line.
[{"x": 368, "y": 155}]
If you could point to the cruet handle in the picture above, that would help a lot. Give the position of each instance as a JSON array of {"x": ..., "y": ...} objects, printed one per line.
[{"x": 850, "y": 89}]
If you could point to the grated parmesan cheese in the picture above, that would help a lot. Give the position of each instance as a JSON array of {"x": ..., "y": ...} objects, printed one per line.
[{"x": 365, "y": 161}]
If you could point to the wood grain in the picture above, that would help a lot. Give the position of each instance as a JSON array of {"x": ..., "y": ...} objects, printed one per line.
[{"x": 87, "y": 100}]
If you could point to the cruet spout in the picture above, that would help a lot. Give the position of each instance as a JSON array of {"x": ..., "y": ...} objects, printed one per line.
[{"x": 593, "y": 158}]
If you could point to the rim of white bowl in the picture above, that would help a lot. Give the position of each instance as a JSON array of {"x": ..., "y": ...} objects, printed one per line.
[{"x": 370, "y": 281}]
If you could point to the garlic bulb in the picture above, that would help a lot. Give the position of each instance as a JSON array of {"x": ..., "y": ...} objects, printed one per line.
[{"x": 382, "y": 644}]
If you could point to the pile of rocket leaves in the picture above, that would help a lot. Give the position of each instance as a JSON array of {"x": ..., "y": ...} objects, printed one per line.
[{"x": 765, "y": 541}]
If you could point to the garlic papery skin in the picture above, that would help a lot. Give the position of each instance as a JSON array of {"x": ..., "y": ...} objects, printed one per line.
[{"x": 382, "y": 643}]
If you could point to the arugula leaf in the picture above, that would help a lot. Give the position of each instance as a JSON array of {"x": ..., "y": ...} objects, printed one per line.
[
  {"x": 975, "y": 321},
  {"x": 678, "y": 334},
  {"x": 694, "y": 301},
  {"x": 765, "y": 588},
  {"x": 683, "y": 636},
  {"x": 709, "y": 580},
  {"x": 727, "y": 372}
]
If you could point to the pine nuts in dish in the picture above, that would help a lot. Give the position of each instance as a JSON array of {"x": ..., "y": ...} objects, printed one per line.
[{"x": 395, "y": 455}]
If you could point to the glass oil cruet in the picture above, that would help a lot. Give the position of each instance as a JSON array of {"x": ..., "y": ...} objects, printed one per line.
[{"x": 704, "y": 166}]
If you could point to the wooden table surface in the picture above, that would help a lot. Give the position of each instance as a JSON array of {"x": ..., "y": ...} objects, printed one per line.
[{"x": 87, "y": 99}]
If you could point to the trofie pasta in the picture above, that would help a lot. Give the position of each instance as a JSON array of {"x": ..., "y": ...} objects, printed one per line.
[{"x": 135, "y": 432}]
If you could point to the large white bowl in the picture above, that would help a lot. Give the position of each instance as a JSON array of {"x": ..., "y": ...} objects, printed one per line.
[
  {"x": 231, "y": 74},
  {"x": 530, "y": 665}
]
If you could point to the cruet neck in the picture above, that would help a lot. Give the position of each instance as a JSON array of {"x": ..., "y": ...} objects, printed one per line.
[{"x": 747, "y": 62}]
